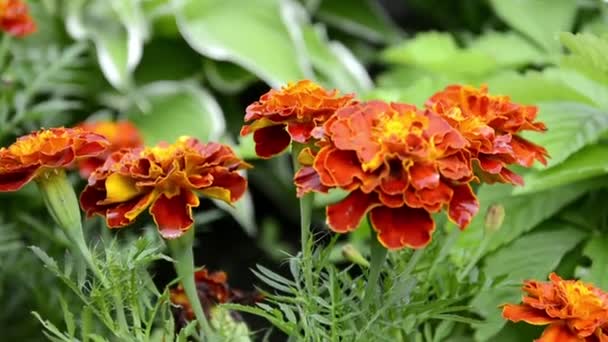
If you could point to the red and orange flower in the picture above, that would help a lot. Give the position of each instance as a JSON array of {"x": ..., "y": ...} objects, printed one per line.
[
  {"x": 290, "y": 113},
  {"x": 46, "y": 149},
  {"x": 15, "y": 18},
  {"x": 399, "y": 163},
  {"x": 212, "y": 289},
  {"x": 575, "y": 311},
  {"x": 491, "y": 124},
  {"x": 121, "y": 134},
  {"x": 165, "y": 178}
]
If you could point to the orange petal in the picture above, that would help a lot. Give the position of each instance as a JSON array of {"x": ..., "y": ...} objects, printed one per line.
[
  {"x": 396, "y": 181},
  {"x": 516, "y": 313},
  {"x": 424, "y": 176},
  {"x": 345, "y": 215},
  {"x": 173, "y": 216},
  {"x": 344, "y": 167},
  {"x": 271, "y": 140},
  {"x": 559, "y": 332},
  {"x": 463, "y": 205},
  {"x": 14, "y": 180},
  {"x": 402, "y": 227}
]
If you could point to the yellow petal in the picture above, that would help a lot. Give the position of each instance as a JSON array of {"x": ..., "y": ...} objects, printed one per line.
[
  {"x": 217, "y": 193},
  {"x": 120, "y": 189}
]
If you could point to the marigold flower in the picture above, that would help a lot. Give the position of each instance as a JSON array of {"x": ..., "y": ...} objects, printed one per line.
[
  {"x": 121, "y": 134},
  {"x": 166, "y": 179},
  {"x": 399, "y": 163},
  {"x": 212, "y": 289},
  {"x": 45, "y": 149},
  {"x": 15, "y": 18},
  {"x": 290, "y": 113},
  {"x": 575, "y": 311},
  {"x": 491, "y": 124}
]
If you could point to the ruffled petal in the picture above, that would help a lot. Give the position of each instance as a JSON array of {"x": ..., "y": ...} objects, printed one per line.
[
  {"x": 516, "y": 313},
  {"x": 344, "y": 167},
  {"x": 125, "y": 213},
  {"x": 463, "y": 206},
  {"x": 300, "y": 131},
  {"x": 402, "y": 227},
  {"x": 346, "y": 215},
  {"x": 173, "y": 216},
  {"x": 559, "y": 332},
  {"x": 424, "y": 176},
  {"x": 307, "y": 180},
  {"x": 271, "y": 140}
]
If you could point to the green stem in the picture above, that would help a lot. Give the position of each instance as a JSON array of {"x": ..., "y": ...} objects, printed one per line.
[
  {"x": 306, "y": 203},
  {"x": 181, "y": 251},
  {"x": 379, "y": 254},
  {"x": 476, "y": 257},
  {"x": 4, "y": 49}
]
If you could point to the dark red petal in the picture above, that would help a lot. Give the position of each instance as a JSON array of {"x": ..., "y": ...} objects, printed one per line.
[
  {"x": 300, "y": 131},
  {"x": 86, "y": 166},
  {"x": 233, "y": 182},
  {"x": 125, "y": 213},
  {"x": 463, "y": 206},
  {"x": 307, "y": 180},
  {"x": 345, "y": 215},
  {"x": 173, "y": 216},
  {"x": 402, "y": 227},
  {"x": 271, "y": 140},
  {"x": 396, "y": 181},
  {"x": 14, "y": 180},
  {"x": 90, "y": 196}
]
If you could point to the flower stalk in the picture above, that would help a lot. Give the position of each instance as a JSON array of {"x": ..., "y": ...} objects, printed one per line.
[
  {"x": 181, "y": 251},
  {"x": 378, "y": 256}
]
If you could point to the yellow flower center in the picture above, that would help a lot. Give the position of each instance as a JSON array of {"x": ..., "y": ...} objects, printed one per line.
[
  {"x": 31, "y": 144},
  {"x": 581, "y": 298}
]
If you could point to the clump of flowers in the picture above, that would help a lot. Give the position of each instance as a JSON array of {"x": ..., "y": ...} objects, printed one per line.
[
  {"x": 573, "y": 310},
  {"x": 491, "y": 124},
  {"x": 121, "y": 134},
  {"x": 400, "y": 164},
  {"x": 212, "y": 289},
  {"x": 47, "y": 149},
  {"x": 166, "y": 179},
  {"x": 290, "y": 113},
  {"x": 15, "y": 18}
]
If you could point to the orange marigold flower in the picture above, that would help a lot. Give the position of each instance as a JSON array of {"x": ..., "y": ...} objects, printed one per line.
[
  {"x": 15, "y": 18},
  {"x": 575, "y": 311},
  {"x": 165, "y": 178},
  {"x": 491, "y": 124},
  {"x": 399, "y": 163},
  {"x": 121, "y": 134},
  {"x": 212, "y": 289},
  {"x": 290, "y": 113},
  {"x": 45, "y": 149}
]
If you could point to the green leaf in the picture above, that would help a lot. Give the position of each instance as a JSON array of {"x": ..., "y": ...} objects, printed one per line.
[
  {"x": 540, "y": 20},
  {"x": 522, "y": 213},
  {"x": 508, "y": 49},
  {"x": 262, "y": 43},
  {"x": 571, "y": 126},
  {"x": 588, "y": 55},
  {"x": 175, "y": 109},
  {"x": 334, "y": 61},
  {"x": 438, "y": 52},
  {"x": 363, "y": 18},
  {"x": 597, "y": 273},
  {"x": 531, "y": 256},
  {"x": 589, "y": 162},
  {"x": 227, "y": 77}
]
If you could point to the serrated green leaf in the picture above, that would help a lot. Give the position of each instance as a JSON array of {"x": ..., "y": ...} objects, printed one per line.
[
  {"x": 262, "y": 44},
  {"x": 522, "y": 213},
  {"x": 597, "y": 273},
  {"x": 540, "y": 20},
  {"x": 588, "y": 55},
  {"x": 570, "y": 127},
  {"x": 176, "y": 109},
  {"x": 508, "y": 49},
  {"x": 591, "y": 161}
]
